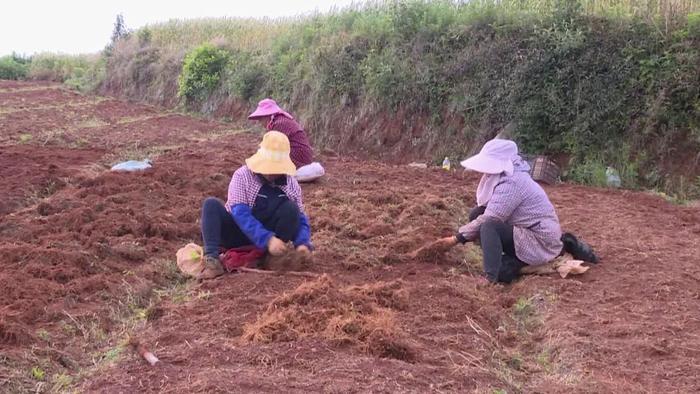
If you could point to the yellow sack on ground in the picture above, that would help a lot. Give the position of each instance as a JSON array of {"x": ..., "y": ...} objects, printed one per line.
[
  {"x": 572, "y": 267},
  {"x": 564, "y": 265},
  {"x": 189, "y": 259}
]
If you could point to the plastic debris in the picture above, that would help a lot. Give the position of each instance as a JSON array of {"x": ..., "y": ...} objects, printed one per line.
[
  {"x": 612, "y": 177},
  {"x": 133, "y": 165},
  {"x": 310, "y": 173},
  {"x": 446, "y": 164},
  {"x": 418, "y": 165}
]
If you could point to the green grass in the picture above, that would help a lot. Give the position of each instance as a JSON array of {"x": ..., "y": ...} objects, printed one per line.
[
  {"x": 61, "y": 382},
  {"x": 38, "y": 373},
  {"x": 25, "y": 138},
  {"x": 544, "y": 360},
  {"x": 113, "y": 354},
  {"x": 249, "y": 34},
  {"x": 523, "y": 309},
  {"x": 43, "y": 335},
  {"x": 375, "y": 19}
]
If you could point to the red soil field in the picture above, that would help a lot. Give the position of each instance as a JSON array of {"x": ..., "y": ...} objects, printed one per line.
[{"x": 87, "y": 264}]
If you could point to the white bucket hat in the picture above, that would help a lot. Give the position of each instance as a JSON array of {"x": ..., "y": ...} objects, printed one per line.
[{"x": 495, "y": 157}]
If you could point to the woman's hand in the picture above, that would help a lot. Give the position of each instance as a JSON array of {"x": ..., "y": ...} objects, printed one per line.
[
  {"x": 447, "y": 242},
  {"x": 303, "y": 249},
  {"x": 276, "y": 246}
]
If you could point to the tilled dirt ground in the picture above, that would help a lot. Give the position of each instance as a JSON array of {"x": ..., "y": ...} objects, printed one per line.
[{"x": 88, "y": 264}]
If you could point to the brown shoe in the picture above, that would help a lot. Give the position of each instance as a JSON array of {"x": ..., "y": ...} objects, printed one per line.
[{"x": 212, "y": 268}]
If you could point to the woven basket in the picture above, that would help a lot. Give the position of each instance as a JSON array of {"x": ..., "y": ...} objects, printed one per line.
[{"x": 542, "y": 169}]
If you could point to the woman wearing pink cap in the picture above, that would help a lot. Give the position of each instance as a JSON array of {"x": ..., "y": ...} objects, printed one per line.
[
  {"x": 275, "y": 118},
  {"x": 514, "y": 221}
]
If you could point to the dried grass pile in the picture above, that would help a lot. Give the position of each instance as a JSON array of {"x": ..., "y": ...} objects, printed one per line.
[{"x": 361, "y": 317}]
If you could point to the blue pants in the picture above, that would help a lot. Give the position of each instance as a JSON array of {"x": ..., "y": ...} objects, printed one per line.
[{"x": 219, "y": 230}]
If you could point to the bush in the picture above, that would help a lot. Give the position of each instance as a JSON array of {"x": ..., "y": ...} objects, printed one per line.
[
  {"x": 590, "y": 171},
  {"x": 88, "y": 77},
  {"x": 144, "y": 36},
  {"x": 61, "y": 68},
  {"x": 694, "y": 25},
  {"x": 201, "y": 72},
  {"x": 12, "y": 67},
  {"x": 245, "y": 75},
  {"x": 385, "y": 77}
]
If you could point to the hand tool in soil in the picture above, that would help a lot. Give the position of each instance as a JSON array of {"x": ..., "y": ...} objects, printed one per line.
[{"x": 279, "y": 273}]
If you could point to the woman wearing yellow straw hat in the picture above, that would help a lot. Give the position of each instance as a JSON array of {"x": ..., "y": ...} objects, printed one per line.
[{"x": 264, "y": 207}]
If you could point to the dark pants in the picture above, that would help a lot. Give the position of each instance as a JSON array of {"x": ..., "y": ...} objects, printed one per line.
[
  {"x": 219, "y": 230},
  {"x": 496, "y": 238}
]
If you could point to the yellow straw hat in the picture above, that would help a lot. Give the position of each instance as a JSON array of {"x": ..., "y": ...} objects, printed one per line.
[{"x": 272, "y": 158}]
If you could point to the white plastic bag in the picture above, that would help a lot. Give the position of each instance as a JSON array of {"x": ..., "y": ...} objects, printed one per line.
[
  {"x": 310, "y": 173},
  {"x": 133, "y": 165},
  {"x": 613, "y": 177}
]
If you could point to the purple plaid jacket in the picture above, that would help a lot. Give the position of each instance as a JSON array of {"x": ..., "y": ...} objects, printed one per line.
[
  {"x": 301, "y": 152},
  {"x": 245, "y": 185},
  {"x": 519, "y": 201}
]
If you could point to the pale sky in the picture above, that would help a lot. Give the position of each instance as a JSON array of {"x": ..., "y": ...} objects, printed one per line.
[{"x": 85, "y": 26}]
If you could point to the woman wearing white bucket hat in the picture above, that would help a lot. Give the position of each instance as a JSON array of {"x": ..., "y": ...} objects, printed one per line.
[{"x": 514, "y": 220}]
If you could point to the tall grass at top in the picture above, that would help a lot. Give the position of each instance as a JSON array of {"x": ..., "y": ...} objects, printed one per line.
[
  {"x": 369, "y": 17},
  {"x": 248, "y": 34}
]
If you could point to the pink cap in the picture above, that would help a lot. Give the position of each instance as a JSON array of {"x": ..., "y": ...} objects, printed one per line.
[{"x": 268, "y": 107}]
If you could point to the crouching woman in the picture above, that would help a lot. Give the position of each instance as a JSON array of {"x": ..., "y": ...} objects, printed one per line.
[
  {"x": 514, "y": 221},
  {"x": 264, "y": 208}
]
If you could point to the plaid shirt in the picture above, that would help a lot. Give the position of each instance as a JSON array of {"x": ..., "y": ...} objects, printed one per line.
[
  {"x": 519, "y": 201},
  {"x": 301, "y": 152},
  {"x": 245, "y": 186}
]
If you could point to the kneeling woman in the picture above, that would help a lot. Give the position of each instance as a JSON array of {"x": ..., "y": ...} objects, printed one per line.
[
  {"x": 264, "y": 208},
  {"x": 514, "y": 220}
]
